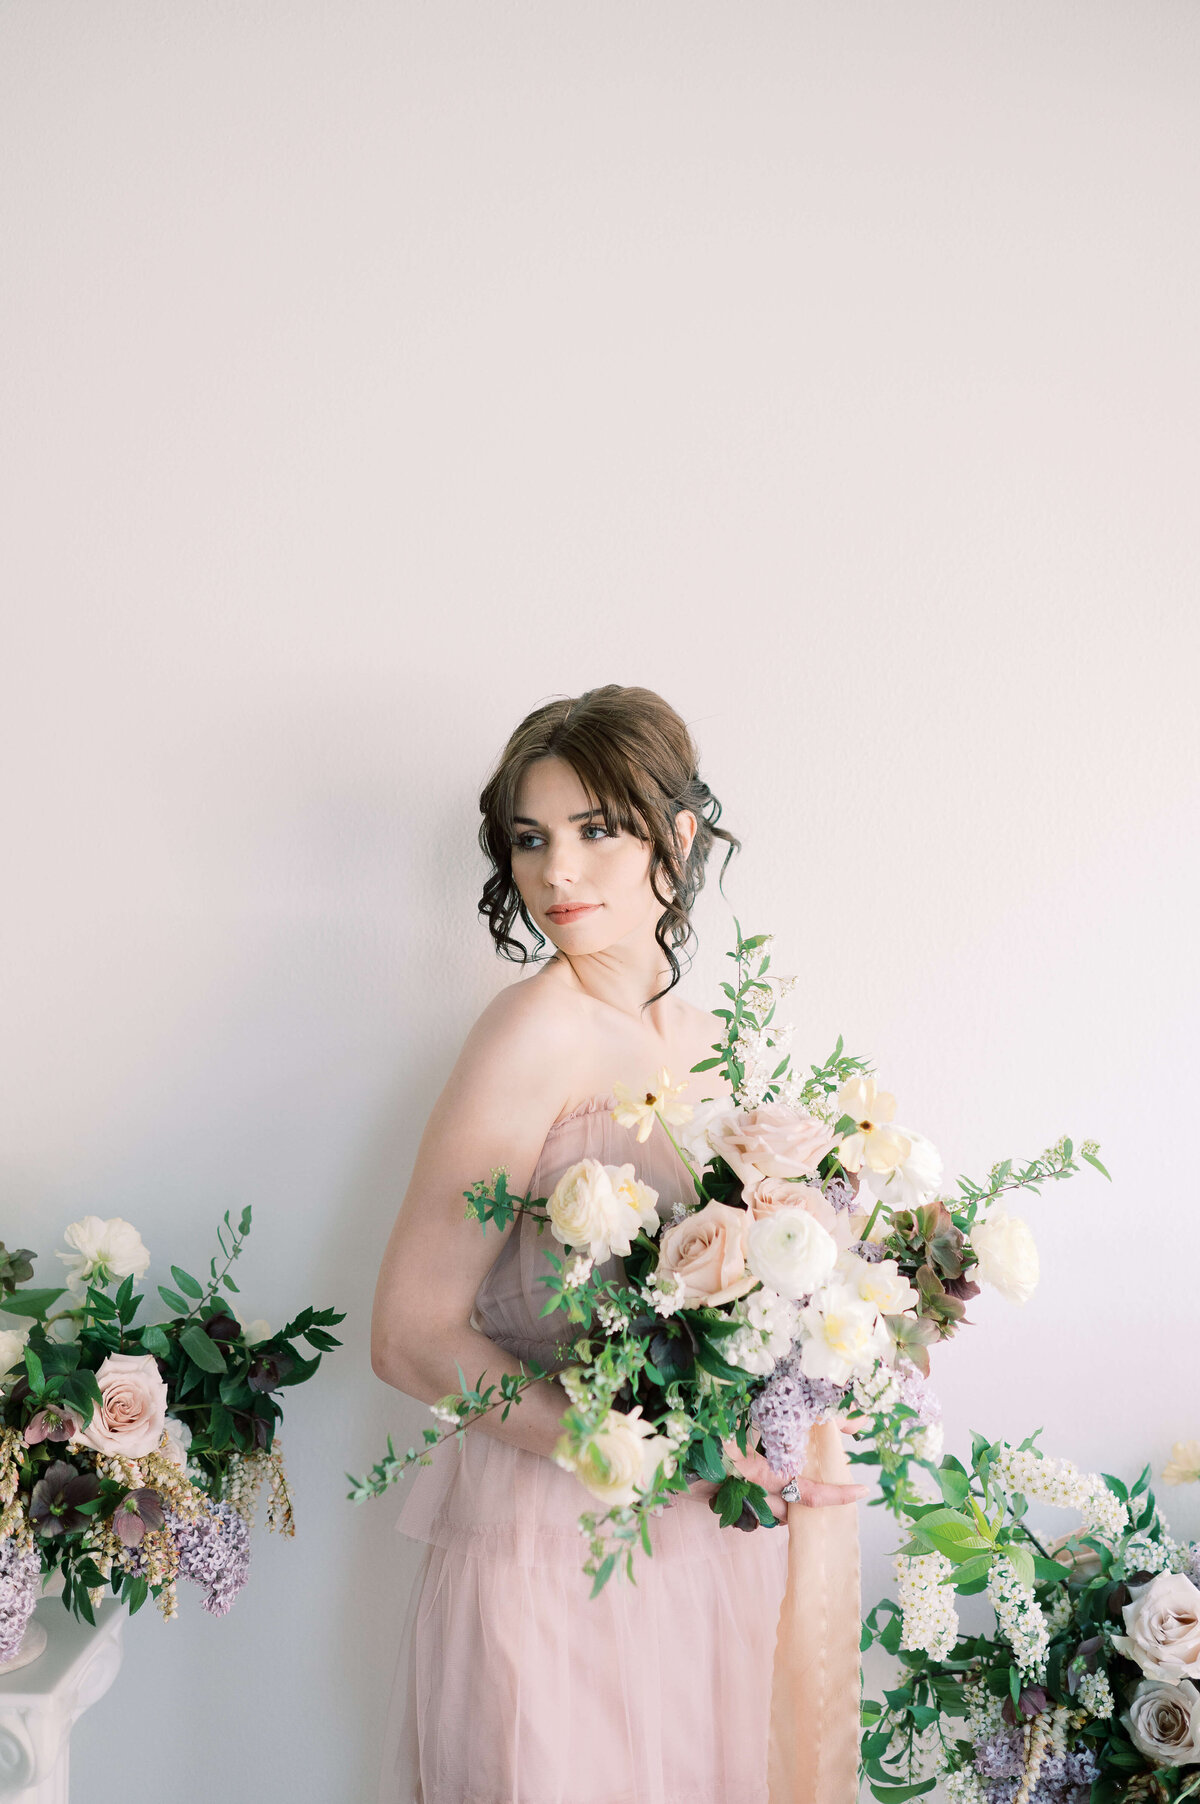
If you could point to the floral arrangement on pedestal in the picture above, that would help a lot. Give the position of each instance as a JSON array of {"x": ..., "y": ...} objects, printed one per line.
[
  {"x": 1087, "y": 1689},
  {"x": 133, "y": 1454},
  {"x": 808, "y": 1279}
]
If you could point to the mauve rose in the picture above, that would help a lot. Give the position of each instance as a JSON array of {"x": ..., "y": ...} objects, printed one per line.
[
  {"x": 769, "y": 1195},
  {"x": 1162, "y": 1628},
  {"x": 132, "y": 1409},
  {"x": 707, "y": 1249},
  {"x": 1164, "y": 1722},
  {"x": 771, "y": 1142}
]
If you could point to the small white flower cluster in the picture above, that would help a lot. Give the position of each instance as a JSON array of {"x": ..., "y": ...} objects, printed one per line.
[
  {"x": 665, "y": 1292},
  {"x": 444, "y": 1412},
  {"x": 930, "y": 1618},
  {"x": 1021, "y": 1621},
  {"x": 1058, "y": 1612},
  {"x": 1058, "y": 1482},
  {"x": 612, "y": 1317},
  {"x": 578, "y": 1272},
  {"x": 768, "y": 1328},
  {"x": 1142, "y": 1554},
  {"x": 877, "y": 1391},
  {"x": 965, "y": 1787},
  {"x": 929, "y": 1442},
  {"x": 984, "y": 1714},
  {"x": 1095, "y": 1695},
  {"x": 760, "y": 1052}
]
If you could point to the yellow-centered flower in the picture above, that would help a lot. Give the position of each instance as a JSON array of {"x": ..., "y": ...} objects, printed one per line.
[
  {"x": 638, "y": 1108},
  {"x": 872, "y": 1142}
]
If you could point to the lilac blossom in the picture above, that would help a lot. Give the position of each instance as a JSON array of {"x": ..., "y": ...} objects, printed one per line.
[
  {"x": 20, "y": 1585},
  {"x": 215, "y": 1552},
  {"x": 916, "y": 1391},
  {"x": 788, "y": 1405},
  {"x": 1001, "y": 1756}
]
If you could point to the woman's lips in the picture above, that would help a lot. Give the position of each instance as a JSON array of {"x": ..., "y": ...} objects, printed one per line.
[{"x": 563, "y": 913}]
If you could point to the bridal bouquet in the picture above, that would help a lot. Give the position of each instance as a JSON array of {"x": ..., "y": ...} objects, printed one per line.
[
  {"x": 808, "y": 1278},
  {"x": 132, "y": 1453},
  {"x": 1087, "y": 1689}
]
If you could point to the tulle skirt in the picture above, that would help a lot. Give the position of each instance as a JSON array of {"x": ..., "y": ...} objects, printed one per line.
[{"x": 515, "y": 1686}]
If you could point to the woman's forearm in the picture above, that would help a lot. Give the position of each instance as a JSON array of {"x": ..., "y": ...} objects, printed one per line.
[{"x": 533, "y": 1422}]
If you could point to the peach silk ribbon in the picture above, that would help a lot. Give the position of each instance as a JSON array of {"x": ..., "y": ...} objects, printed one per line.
[{"x": 813, "y": 1739}]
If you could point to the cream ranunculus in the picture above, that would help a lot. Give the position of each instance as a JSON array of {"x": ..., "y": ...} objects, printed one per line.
[
  {"x": 791, "y": 1252},
  {"x": 600, "y": 1208},
  {"x": 1162, "y": 1628},
  {"x": 872, "y": 1142},
  {"x": 843, "y": 1338},
  {"x": 1008, "y": 1255},
  {"x": 133, "y": 1406},
  {"x": 707, "y": 1249},
  {"x": 619, "y": 1459},
  {"x": 101, "y": 1251},
  {"x": 696, "y": 1137},
  {"x": 881, "y": 1285},
  {"x": 1164, "y": 1722},
  {"x": 771, "y": 1142},
  {"x": 12, "y": 1348}
]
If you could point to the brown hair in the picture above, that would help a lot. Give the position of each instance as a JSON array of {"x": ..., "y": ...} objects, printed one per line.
[{"x": 637, "y": 761}]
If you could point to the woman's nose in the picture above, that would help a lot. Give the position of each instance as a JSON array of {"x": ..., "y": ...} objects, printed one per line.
[{"x": 562, "y": 861}]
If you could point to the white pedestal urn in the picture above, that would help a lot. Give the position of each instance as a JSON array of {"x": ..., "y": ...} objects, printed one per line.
[{"x": 42, "y": 1700}]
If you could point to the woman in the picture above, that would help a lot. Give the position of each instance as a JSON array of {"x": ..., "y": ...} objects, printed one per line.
[{"x": 514, "y": 1685}]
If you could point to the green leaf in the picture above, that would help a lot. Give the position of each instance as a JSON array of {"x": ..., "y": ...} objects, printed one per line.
[
  {"x": 31, "y": 1302},
  {"x": 155, "y": 1341},
  {"x": 1093, "y": 1160},
  {"x": 1022, "y": 1560},
  {"x": 706, "y": 1064},
  {"x": 172, "y": 1300},
  {"x": 187, "y": 1284},
  {"x": 228, "y": 1282},
  {"x": 201, "y": 1350},
  {"x": 955, "y": 1481},
  {"x": 606, "y": 1566},
  {"x": 978, "y": 1566},
  {"x": 37, "y": 1378},
  {"x": 895, "y": 1794}
]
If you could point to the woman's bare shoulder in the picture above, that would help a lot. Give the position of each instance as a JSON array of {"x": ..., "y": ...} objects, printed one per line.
[{"x": 534, "y": 1017}]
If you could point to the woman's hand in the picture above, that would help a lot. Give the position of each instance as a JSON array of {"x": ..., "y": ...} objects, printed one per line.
[{"x": 759, "y": 1471}]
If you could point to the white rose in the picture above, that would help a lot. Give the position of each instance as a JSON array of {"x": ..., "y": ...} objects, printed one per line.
[
  {"x": 179, "y": 1439},
  {"x": 252, "y": 1332},
  {"x": 842, "y": 1339},
  {"x": 620, "y": 1458},
  {"x": 12, "y": 1348},
  {"x": 600, "y": 1207},
  {"x": 790, "y": 1252},
  {"x": 102, "y": 1251},
  {"x": 694, "y": 1136},
  {"x": 1008, "y": 1255},
  {"x": 881, "y": 1285},
  {"x": 1164, "y": 1722},
  {"x": 1162, "y": 1628}
]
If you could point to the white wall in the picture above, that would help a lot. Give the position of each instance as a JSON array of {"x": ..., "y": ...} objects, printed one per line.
[{"x": 375, "y": 371}]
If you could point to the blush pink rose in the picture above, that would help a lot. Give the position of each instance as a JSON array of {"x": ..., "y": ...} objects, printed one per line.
[
  {"x": 769, "y": 1195},
  {"x": 708, "y": 1251},
  {"x": 133, "y": 1407},
  {"x": 771, "y": 1142}
]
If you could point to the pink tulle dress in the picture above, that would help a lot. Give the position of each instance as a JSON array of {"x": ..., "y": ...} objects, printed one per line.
[{"x": 513, "y": 1684}]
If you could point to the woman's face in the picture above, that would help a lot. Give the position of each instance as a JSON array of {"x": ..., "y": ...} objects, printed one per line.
[{"x": 585, "y": 888}]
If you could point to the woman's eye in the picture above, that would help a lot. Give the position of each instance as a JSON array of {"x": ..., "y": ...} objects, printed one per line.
[
  {"x": 595, "y": 827},
  {"x": 526, "y": 842}
]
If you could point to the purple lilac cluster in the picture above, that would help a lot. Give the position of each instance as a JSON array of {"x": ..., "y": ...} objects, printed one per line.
[
  {"x": 214, "y": 1552},
  {"x": 787, "y": 1407},
  {"x": 20, "y": 1583},
  {"x": 870, "y": 1250},
  {"x": 916, "y": 1391},
  {"x": 839, "y": 1194},
  {"x": 1062, "y": 1778},
  {"x": 1192, "y": 1567}
]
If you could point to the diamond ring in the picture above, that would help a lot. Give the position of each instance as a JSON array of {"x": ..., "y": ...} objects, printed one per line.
[{"x": 789, "y": 1492}]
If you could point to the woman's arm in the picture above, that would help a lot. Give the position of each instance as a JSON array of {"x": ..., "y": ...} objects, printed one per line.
[{"x": 501, "y": 1099}]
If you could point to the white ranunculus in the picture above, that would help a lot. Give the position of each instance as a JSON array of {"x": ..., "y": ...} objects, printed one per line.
[
  {"x": 843, "y": 1338},
  {"x": 1008, "y": 1255},
  {"x": 12, "y": 1348},
  {"x": 790, "y": 1252},
  {"x": 600, "y": 1208},
  {"x": 252, "y": 1332},
  {"x": 1164, "y": 1722},
  {"x": 101, "y": 1251},
  {"x": 881, "y": 1285},
  {"x": 913, "y": 1182},
  {"x": 619, "y": 1459},
  {"x": 179, "y": 1439}
]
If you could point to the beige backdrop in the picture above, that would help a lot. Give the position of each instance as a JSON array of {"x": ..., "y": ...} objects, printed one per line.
[{"x": 375, "y": 371}]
